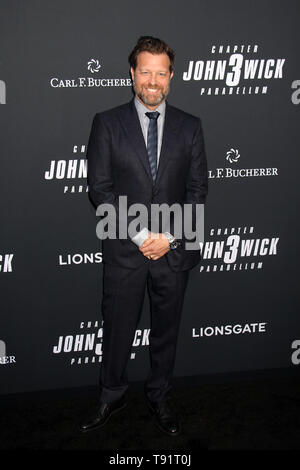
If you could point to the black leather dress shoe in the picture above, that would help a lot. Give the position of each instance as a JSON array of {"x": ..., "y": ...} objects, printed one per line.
[
  {"x": 105, "y": 411},
  {"x": 165, "y": 417}
]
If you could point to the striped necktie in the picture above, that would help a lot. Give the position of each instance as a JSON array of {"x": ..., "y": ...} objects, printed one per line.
[{"x": 152, "y": 142}]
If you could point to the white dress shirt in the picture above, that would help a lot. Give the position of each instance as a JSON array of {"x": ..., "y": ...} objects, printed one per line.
[{"x": 140, "y": 237}]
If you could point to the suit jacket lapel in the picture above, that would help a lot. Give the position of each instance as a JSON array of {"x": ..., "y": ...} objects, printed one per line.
[
  {"x": 170, "y": 135},
  {"x": 131, "y": 124}
]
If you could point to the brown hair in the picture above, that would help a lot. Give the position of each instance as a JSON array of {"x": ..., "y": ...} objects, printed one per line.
[{"x": 152, "y": 45}]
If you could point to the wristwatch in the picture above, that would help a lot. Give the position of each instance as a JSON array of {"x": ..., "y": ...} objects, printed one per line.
[{"x": 173, "y": 242}]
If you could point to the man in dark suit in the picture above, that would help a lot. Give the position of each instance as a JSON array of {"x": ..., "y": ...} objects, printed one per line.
[{"x": 152, "y": 153}]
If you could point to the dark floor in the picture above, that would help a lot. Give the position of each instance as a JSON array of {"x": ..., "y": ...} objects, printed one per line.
[{"x": 245, "y": 414}]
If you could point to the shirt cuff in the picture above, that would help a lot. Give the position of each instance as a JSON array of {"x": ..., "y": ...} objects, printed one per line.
[{"x": 140, "y": 237}]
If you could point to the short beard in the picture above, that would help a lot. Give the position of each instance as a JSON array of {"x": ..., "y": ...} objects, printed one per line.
[{"x": 144, "y": 99}]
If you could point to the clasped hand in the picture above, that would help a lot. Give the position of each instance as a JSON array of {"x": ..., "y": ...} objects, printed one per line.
[{"x": 155, "y": 246}]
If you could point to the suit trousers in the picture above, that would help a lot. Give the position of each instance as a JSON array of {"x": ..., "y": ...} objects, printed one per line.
[{"x": 123, "y": 297}]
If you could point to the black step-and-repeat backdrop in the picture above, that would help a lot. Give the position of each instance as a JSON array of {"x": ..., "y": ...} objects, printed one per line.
[{"x": 237, "y": 67}]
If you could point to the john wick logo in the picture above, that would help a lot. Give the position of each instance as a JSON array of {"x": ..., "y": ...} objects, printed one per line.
[
  {"x": 6, "y": 263},
  {"x": 69, "y": 174},
  {"x": 230, "y": 69},
  {"x": 85, "y": 347},
  {"x": 236, "y": 249}
]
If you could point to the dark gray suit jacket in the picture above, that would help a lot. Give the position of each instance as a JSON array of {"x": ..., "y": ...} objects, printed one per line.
[{"x": 118, "y": 165}]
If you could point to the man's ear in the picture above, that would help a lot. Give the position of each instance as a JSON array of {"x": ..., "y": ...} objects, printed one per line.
[
  {"x": 171, "y": 76},
  {"x": 132, "y": 73}
]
